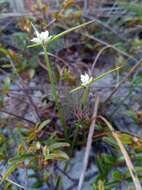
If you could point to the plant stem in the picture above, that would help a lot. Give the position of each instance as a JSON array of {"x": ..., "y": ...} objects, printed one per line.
[
  {"x": 50, "y": 74},
  {"x": 56, "y": 98},
  {"x": 85, "y": 96}
]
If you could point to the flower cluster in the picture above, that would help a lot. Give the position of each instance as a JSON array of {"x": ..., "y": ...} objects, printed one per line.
[{"x": 42, "y": 38}]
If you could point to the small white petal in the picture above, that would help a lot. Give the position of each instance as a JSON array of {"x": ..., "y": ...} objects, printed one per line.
[
  {"x": 42, "y": 37},
  {"x": 44, "y": 34},
  {"x": 85, "y": 79},
  {"x": 36, "y": 40}
]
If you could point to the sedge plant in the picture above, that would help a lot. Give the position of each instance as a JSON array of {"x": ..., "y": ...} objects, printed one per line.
[{"x": 43, "y": 39}]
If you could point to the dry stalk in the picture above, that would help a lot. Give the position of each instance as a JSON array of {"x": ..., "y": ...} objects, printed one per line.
[
  {"x": 89, "y": 143},
  {"x": 125, "y": 154}
]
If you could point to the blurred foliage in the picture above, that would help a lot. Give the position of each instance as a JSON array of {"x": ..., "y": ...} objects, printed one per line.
[{"x": 36, "y": 147}]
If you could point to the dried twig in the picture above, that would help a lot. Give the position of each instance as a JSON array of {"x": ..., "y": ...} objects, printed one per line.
[
  {"x": 125, "y": 154},
  {"x": 65, "y": 174},
  {"x": 17, "y": 116},
  {"x": 89, "y": 143}
]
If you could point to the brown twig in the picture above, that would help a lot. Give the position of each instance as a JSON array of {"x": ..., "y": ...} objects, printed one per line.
[
  {"x": 89, "y": 143},
  {"x": 17, "y": 116},
  {"x": 65, "y": 174}
]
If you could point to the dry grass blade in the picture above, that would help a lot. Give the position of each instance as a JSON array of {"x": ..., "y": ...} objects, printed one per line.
[
  {"x": 89, "y": 143},
  {"x": 102, "y": 42},
  {"x": 125, "y": 154},
  {"x": 98, "y": 56},
  {"x": 132, "y": 70}
]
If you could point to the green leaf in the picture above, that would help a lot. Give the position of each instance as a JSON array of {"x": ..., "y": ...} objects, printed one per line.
[
  {"x": 20, "y": 158},
  {"x": 6, "y": 85},
  {"x": 133, "y": 7},
  {"x": 5, "y": 51},
  {"x": 132, "y": 114},
  {"x": 117, "y": 175},
  {"x": 111, "y": 141},
  {"x": 108, "y": 159},
  {"x": 57, "y": 155},
  {"x": 9, "y": 171},
  {"x": 125, "y": 138},
  {"x": 2, "y": 138},
  {"x": 43, "y": 124},
  {"x": 37, "y": 184},
  {"x": 58, "y": 145}
]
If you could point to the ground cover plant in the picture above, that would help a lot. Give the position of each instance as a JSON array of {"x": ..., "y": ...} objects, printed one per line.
[{"x": 70, "y": 96}]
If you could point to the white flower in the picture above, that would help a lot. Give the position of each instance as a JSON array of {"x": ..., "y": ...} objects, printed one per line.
[
  {"x": 42, "y": 38},
  {"x": 85, "y": 79}
]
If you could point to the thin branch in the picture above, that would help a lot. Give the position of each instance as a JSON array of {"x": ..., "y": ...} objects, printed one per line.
[
  {"x": 65, "y": 174},
  {"x": 17, "y": 116},
  {"x": 89, "y": 143}
]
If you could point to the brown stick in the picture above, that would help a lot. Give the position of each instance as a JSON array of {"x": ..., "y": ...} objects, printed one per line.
[{"x": 89, "y": 143}]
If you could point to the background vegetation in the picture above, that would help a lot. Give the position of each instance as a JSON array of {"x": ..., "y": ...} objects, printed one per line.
[{"x": 48, "y": 118}]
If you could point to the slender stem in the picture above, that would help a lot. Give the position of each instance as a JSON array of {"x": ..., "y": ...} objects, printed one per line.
[
  {"x": 85, "y": 96},
  {"x": 54, "y": 91},
  {"x": 50, "y": 74}
]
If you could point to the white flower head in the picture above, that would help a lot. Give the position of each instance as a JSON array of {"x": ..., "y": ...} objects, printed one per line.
[
  {"x": 85, "y": 79},
  {"x": 42, "y": 38}
]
